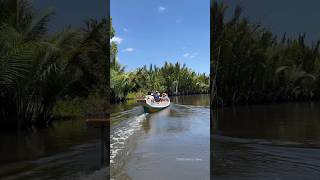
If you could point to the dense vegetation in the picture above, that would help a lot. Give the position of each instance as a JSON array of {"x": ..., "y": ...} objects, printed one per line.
[
  {"x": 173, "y": 78},
  {"x": 39, "y": 70},
  {"x": 250, "y": 64}
]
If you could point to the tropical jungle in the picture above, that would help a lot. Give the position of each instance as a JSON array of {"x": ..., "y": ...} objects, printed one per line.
[
  {"x": 250, "y": 64},
  {"x": 45, "y": 75},
  {"x": 173, "y": 78}
]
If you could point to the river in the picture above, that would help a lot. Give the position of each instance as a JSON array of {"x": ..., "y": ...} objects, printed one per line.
[
  {"x": 173, "y": 143},
  {"x": 68, "y": 150},
  {"x": 274, "y": 141}
]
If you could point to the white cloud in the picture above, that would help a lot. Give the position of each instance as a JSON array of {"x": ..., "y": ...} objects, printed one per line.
[
  {"x": 117, "y": 40},
  {"x": 193, "y": 55},
  {"x": 190, "y": 55},
  {"x": 125, "y": 29},
  {"x": 186, "y": 55},
  {"x": 128, "y": 50},
  {"x": 161, "y": 8}
]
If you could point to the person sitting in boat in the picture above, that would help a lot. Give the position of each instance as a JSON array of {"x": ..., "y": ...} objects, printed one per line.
[
  {"x": 150, "y": 96},
  {"x": 163, "y": 97},
  {"x": 156, "y": 96}
]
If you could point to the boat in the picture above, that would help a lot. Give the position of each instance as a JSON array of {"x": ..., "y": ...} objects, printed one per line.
[{"x": 150, "y": 106}]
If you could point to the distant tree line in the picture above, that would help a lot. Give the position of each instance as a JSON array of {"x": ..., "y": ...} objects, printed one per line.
[
  {"x": 250, "y": 64},
  {"x": 172, "y": 78}
]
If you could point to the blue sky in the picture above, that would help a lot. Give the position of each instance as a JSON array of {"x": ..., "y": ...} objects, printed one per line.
[
  {"x": 155, "y": 31},
  {"x": 291, "y": 16},
  {"x": 72, "y": 13}
]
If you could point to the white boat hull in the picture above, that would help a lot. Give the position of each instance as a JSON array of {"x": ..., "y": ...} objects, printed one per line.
[{"x": 150, "y": 106}]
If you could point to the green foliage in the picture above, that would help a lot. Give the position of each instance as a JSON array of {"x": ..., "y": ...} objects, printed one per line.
[
  {"x": 78, "y": 106},
  {"x": 37, "y": 70},
  {"x": 135, "y": 95},
  {"x": 69, "y": 107},
  {"x": 171, "y": 78},
  {"x": 251, "y": 65}
]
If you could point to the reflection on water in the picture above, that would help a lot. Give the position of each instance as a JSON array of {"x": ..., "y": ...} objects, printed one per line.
[
  {"x": 278, "y": 141},
  {"x": 69, "y": 149},
  {"x": 119, "y": 108},
  {"x": 174, "y": 138},
  {"x": 194, "y": 100}
]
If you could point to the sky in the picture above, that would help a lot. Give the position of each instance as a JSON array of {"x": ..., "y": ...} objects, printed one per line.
[
  {"x": 155, "y": 31},
  {"x": 292, "y": 16},
  {"x": 72, "y": 12}
]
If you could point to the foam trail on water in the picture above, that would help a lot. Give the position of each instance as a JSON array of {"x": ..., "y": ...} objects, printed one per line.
[{"x": 120, "y": 135}]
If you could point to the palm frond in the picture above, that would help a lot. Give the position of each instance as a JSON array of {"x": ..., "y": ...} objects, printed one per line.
[{"x": 39, "y": 24}]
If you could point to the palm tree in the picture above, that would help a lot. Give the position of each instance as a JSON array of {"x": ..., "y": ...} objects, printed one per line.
[
  {"x": 294, "y": 81},
  {"x": 245, "y": 57},
  {"x": 37, "y": 69},
  {"x": 216, "y": 17}
]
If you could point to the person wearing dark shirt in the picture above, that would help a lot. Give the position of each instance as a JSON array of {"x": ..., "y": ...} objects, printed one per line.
[{"x": 156, "y": 96}]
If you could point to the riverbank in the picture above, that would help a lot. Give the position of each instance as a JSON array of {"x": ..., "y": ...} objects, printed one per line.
[
  {"x": 220, "y": 103},
  {"x": 133, "y": 96}
]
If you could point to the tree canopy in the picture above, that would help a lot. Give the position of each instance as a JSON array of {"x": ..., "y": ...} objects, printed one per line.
[
  {"x": 38, "y": 69},
  {"x": 250, "y": 64}
]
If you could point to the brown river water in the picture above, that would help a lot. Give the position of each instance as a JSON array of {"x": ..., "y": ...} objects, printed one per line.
[
  {"x": 71, "y": 150},
  {"x": 274, "y": 141},
  {"x": 68, "y": 150},
  {"x": 173, "y": 143}
]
